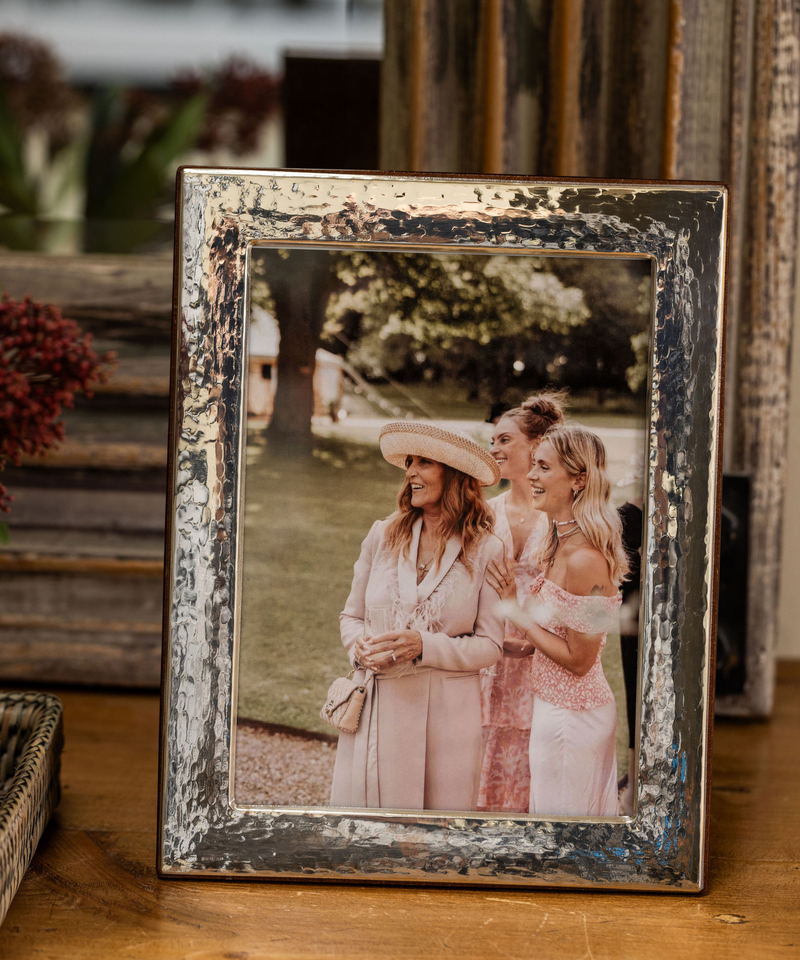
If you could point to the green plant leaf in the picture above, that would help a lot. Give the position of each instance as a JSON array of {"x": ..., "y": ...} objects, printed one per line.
[
  {"x": 139, "y": 184},
  {"x": 17, "y": 192}
]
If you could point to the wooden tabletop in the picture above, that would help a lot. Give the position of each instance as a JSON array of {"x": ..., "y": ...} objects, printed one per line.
[{"x": 92, "y": 890}]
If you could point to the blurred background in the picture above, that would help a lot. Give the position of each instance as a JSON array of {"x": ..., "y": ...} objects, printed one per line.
[{"x": 101, "y": 100}]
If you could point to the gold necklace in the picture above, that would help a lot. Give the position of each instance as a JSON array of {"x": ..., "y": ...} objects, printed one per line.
[
  {"x": 524, "y": 518},
  {"x": 422, "y": 565}
]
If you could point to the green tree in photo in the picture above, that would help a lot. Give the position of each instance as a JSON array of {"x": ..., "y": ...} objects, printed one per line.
[
  {"x": 469, "y": 317},
  {"x": 605, "y": 355},
  {"x": 296, "y": 285},
  {"x": 462, "y": 316}
]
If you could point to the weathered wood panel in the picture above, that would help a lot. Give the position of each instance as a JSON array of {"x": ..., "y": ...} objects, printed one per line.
[
  {"x": 697, "y": 138},
  {"x": 563, "y": 129},
  {"x": 81, "y": 580},
  {"x": 102, "y": 655},
  {"x": 57, "y": 508},
  {"x": 767, "y": 313},
  {"x": 519, "y": 105},
  {"x": 452, "y": 62},
  {"x": 742, "y": 61},
  {"x": 83, "y": 620},
  {"x": 122, "y": 297},
  {"x": 397, "y": 76},
  {"x": 685, "y": 89},
  {"x": 637, "y": 64},
  {"x": 570, "y": 87},
  {"x": 81, "y": 585},
  {"x": 433, "y": 45},
  {"x": 608, "y": 73}
]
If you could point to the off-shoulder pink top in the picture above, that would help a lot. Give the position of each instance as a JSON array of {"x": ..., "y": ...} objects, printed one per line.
[{"x": 557, "y": 610}]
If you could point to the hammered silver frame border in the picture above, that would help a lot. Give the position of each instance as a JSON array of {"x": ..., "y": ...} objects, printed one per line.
[{"x": 682, "y": 228}]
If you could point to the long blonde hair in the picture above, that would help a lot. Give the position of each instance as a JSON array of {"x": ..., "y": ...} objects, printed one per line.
[
  {"x": 582, "y": 452},
  {"x": 465, "y": 514}
]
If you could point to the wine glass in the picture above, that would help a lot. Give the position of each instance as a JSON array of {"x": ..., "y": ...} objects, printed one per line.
[{"x": 378, "y": 621}]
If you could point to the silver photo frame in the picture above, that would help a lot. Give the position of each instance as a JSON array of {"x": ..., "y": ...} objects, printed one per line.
[{"x": 221, "y": 215}]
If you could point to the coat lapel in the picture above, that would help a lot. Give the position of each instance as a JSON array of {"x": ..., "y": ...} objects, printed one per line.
[
  {"x": 407, "y": 572},
  {"x": 435, "y": 577}
]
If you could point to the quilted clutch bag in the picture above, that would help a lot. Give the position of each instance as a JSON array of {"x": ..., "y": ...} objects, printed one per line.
[{"x": 344, "y": 703}]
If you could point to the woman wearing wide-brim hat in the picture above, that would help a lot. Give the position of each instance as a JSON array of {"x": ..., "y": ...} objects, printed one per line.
[{"x": 422, "y": 618}]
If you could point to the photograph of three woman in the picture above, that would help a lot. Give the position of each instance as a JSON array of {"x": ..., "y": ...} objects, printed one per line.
[{"x": 478, "y": 626}]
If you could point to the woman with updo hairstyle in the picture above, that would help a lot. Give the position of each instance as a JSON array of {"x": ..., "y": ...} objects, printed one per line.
[
  {"x": 564, "y": 619},
  {"x": 506, "y": 694}
]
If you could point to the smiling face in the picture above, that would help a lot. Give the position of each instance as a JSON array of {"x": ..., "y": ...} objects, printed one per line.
[
  {"x": 512, "y": 449},
  {"x": 426, "y": 481},
  {"x": 553, "y": 487}
]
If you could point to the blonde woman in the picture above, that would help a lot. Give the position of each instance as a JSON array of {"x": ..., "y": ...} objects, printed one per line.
[
  {"x": 423, "y": 620},
  {"x": 506, "y": 693},
  {"x": 572, "y": 604}
]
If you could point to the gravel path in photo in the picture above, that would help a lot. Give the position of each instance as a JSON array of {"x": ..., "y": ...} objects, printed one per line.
[{"x": 280, "y": 769}]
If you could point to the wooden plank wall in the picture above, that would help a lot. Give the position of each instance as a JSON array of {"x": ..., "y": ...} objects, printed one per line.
[
  {"x": 81, "y": 578},
  {"x": 766, "y": 311},
  {"x": 674, "y": 89}
]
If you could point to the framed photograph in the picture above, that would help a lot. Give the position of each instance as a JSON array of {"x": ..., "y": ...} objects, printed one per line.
[{"x": 441, "y": 574}]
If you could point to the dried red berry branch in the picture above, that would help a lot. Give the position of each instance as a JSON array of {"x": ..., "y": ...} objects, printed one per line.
[{"x": 45, "y": 360}]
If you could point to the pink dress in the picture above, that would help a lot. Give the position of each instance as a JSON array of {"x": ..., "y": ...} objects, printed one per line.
[
  {"x": 507, "y": 695},
  {"x": 573, "y": 763}
]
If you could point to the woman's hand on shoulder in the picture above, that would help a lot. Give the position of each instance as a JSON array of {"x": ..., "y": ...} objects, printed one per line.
[
  {"x": 501, "y": 575},
  {"x": 587, "y": 574}
]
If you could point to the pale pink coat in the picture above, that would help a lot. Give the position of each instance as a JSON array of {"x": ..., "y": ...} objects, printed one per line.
[{"x": 419, "y": 743}]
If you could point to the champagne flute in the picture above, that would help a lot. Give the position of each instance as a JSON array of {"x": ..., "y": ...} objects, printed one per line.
[{"x": 378, "y": 621}]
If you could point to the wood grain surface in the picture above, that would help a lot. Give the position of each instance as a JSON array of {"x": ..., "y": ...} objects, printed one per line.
[
  {"x": 92, "y": 890},
  {"x": 118, "y": 296},
  {"x": 81, "y": 578},
  {"x": 766, "y": 320},
  {"x": 685, "y": 89}
]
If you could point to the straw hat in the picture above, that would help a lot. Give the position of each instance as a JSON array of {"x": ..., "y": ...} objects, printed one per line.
[{"x": 405, "y": 438}]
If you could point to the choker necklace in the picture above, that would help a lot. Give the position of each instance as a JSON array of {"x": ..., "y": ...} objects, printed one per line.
[
  {"x": 569, "y": 533},
  {"x": 563, "y": 523}
]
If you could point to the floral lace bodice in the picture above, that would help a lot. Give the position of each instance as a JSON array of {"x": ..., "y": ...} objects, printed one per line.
[
  {"x": 527, "y": 567},
  {"x": 557, "y": 611}
]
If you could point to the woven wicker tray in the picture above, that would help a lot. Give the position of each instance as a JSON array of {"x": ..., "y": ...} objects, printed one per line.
[{"x": 31, "y": 738}]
